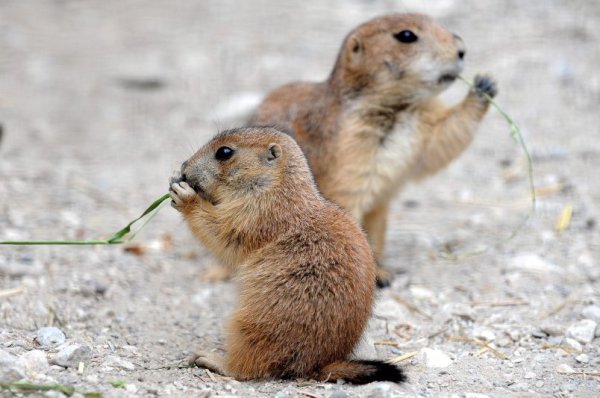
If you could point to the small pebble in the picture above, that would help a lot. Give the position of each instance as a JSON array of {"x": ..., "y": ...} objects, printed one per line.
[
  {"x": 49, "y": 337},
  {"x": 529, "y": 375},
  {"x": 92, "y": 379},
  {"x": 434, "y": 358},
  {"x": 522, "y": 386},
  {"x": 132, "y": 388},
  {"x": 564, "y": 368},
  {"x": 10, "y": 370},
  {"x": 574, "y": 344},
  {"x": 34, "y": 362},
  {"x": 552, "y": 329},
  {"x": 114, "y": 361},
  {"x": 568, "y": 387},
  {"x": 582, "y": 358},
  {"x": 475, "y": 395},
  {"x": 591, "y": 312},
  {"x": 460, "y": 310},
  {"x": 533, "y": 263},
  {"x": 71, "y": 355},
  {"x": 421, "y": 293},
  {"x": 583, "y": 331},
  {"x": 539, "y": 383},
  {"x": 484, "y": 333}
]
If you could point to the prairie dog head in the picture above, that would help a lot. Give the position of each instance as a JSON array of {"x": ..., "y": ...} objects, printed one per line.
[
  {"x": 244, "y": 164},
  {"x": 404, "y": 55}
]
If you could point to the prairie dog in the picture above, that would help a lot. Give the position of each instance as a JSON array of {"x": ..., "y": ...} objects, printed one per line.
[
  {"x": 376, "y": 123},
  {"x": 305, "y": 270}
]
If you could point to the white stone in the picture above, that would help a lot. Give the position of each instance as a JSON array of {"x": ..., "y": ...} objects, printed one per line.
[
  {"x": 113, "y": 361},
  {"x": 532, "y": 262},
  {"x": 71, "y": 355},
  {"x": 552, "y": 329},
  {"x": 92, "y": 379},
  {"x": 484, "y": 333},
  {"x": 421, "y": 293},
  {"x": 574, "y": 344},
  {"x": 460, "y": 310},
  {"x": 583, "y": 358},
  {"x": 49, "y": 337},
  {"x": 529, "y": 375},
  {"x": 564, "y": 368},
  {"x": 591, "y": 312},
  {"x": 434, "y": 358},
  {"x": 35, "y": 362},
  {"x": 10, "y": 370},
  {"x": 132, "y": 388},
  {"x": 475, "y": 395},
  {"x": 583, "y": 331}
]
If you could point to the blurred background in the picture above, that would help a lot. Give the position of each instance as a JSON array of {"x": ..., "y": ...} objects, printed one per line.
[
  {"x": 105, "y": 99},
  {"x": 101, "y": 100}
]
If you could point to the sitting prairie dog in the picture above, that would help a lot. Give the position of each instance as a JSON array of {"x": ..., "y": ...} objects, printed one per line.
[
  {"x": 376, "y": 123},
  {"x": 305, "y": 270}
]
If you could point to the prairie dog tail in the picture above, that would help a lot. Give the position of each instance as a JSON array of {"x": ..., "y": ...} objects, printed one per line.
[{"x": 362, "y": 372}]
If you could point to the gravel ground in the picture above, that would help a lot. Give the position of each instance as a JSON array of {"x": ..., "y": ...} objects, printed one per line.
[{"x": 100, "y": 101}]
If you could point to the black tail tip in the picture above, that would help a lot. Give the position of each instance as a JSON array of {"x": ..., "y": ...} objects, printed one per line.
[{"x": 382, "y": 371}]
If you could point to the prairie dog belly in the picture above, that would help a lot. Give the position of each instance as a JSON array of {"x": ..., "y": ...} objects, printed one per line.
[{"x": 372, "y": 163}]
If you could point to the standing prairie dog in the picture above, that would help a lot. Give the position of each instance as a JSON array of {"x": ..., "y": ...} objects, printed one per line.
[
  {"x": 376, "y": 123},
  {"x": 306, "y": 272}
]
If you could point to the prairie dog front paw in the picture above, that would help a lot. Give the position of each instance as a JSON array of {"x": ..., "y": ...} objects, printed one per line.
[
  {"x": 182, "y": 195},
  {"x": 484, "y": 84}
]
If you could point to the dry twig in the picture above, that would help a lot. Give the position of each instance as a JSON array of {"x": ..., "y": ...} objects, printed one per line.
[
  {"x": 568, "y": 350},
  {"x": 403, "y": 357},
  {"x": 212, "y": 377},
  {"x": 482, "y": 343},
  {"x": 12, "y": 292},
  {"x": 410, "y": 306},
  {"x": 579, "y": 373},
  {"x": 507, "y": 303}
]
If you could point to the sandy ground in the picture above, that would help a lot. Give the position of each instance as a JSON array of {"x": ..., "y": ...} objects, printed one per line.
[{"x": 100, "y": 101}]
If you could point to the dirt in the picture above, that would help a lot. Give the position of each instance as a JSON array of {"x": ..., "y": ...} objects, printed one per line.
[{"x": 100, "y": 101}]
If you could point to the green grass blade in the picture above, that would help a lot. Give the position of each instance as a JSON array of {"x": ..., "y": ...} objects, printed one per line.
[
  {"x": 24, "y": 387},
  {"x": 515, "y": 133},
  {"x": 116, "y": 238}
]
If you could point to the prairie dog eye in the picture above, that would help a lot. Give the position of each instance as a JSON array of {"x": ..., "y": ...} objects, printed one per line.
[
  {"x": 406, "y": 36},
  {"x": 224, "y": 153}
]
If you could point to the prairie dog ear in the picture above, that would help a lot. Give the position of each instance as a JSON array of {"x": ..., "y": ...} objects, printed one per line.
[
  {"x": 354, "y": 50},
  {"x": 274, "y": 152}
]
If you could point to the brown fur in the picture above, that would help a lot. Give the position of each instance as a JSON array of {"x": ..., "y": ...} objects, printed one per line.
[
  {"x": 376, "y": 123},
  {"x": 306, "y": 272}
]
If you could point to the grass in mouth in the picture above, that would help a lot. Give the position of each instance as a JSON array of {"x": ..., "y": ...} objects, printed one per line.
[{"x": 125, "y": 234}]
